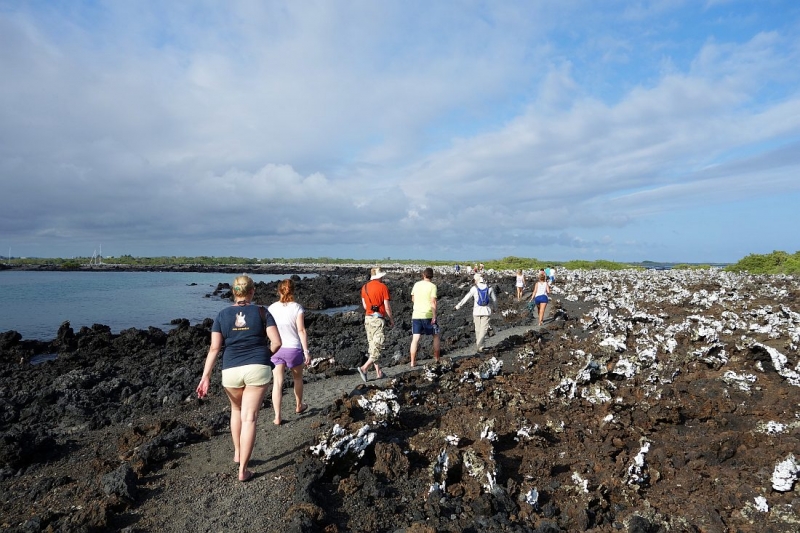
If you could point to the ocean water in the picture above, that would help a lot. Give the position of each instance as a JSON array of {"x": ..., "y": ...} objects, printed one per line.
[{"x": 36, "y": 303}]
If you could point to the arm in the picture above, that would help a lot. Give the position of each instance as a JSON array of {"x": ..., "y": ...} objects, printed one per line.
[
  {"x": 211, "y": 359},
  {"x": 493, "y": 297},
  {"x": 274, "y": 339},
  {"x": 433, "y": 308},
  {"x": 533, "y": 292},
  {"x": 303, "y": 334},
  {"x": 363, "y": 303},
  {"x": 388, "y": 307},
  {"x": 464, "y": 299}
]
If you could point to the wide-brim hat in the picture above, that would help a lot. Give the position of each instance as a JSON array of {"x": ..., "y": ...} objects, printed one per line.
[
  {"x": 478, "y": 278},
  {"x": 377, "y": 273}
]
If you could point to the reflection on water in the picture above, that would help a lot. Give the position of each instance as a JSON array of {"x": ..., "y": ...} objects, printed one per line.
[
  {"x": 337, "y": 310},
  {"x": 42, "y": 357}
]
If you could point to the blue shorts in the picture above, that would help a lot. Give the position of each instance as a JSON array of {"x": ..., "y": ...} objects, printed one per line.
[
  {"x": 543, "y": 299},
  {"x": 291, "y": 357},
  {"x": 423, "y": 326}
]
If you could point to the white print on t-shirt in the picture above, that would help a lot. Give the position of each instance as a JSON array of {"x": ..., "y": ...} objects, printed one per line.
[{"x": 240, "y": 321}]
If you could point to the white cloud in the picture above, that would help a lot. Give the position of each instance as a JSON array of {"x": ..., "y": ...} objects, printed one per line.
[{"x": 353, "y": 126}]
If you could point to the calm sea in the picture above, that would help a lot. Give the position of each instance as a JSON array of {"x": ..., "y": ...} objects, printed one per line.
[{"x": 36, "y": 303}]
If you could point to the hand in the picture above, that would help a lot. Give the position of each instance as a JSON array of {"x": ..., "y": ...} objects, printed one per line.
[{"x": 202, "y": 388}]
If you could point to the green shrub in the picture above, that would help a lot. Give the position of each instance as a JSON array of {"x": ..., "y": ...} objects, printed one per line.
[
  {"x": 777, "y": 262},
  {"x": 600, "y": 264}
]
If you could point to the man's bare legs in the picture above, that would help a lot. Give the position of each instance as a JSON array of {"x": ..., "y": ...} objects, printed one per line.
[
  {"x": 245, "y": 404},
  {"x": 415, "y": 347}
]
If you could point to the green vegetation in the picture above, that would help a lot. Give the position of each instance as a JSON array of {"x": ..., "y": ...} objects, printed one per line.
[
  {"x": 687, "y": 266},
  {"x": 506, "y": 263},
  {"x": 777, "y": 262},
  {"x": 523, "y": 263},
  {"x": 600, "y": 264},
  {"x": 514, "y": 263}
]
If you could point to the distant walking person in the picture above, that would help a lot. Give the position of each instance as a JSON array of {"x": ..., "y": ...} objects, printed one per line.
[
  {"x": 520, "y": 284},
  {"x": 375, "y": 300},
  {"x": 423, "y": 314},
  {"x": 293, "y": 354},
  {"x": 540, "y": 291},
  {"x": 484, "y": 299},
  {"x": 246, "y": 369}
]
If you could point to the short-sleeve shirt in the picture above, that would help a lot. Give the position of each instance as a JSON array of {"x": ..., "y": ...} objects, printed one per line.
[
  {"x": 422, "y": 292},
  {"x": 285, "y": 315},
  {"x": 245, "y": 335},
  {"x": 374, "y": 293}
]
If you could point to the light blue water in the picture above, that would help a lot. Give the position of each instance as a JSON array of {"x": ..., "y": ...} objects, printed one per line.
[{"x": 36, "y": 303}]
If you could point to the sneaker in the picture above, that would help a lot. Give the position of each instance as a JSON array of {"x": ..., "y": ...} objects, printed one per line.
[{"x": 362, "y": 374}]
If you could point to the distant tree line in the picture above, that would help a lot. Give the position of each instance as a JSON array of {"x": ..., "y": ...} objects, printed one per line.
[{"x": 777, "y": 262}]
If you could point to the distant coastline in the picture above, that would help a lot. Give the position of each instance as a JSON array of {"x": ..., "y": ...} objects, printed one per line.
[{"x": 776, "y": 262}]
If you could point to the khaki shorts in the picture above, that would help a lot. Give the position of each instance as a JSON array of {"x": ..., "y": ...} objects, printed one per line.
[{"x": 253, "y": 375}]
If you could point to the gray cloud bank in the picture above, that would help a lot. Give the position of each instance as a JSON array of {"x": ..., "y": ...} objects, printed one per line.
[{"x": 390, "y": 129}]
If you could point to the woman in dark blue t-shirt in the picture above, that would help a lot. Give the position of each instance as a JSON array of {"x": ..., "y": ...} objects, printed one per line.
[{"x": 246, "y": 367}]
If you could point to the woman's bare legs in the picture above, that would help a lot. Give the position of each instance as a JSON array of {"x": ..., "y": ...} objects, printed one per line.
[
  {"x": 277, "y": 391},
  {"x": 245, "y": 404},
  {"x": 297, "y": 377},
  {"x": 542, "y": 307},
  {"x": 235, "y": 396}
]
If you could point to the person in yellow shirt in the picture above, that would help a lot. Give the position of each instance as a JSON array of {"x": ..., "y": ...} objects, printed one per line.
[{"x": 423, "y": 315}]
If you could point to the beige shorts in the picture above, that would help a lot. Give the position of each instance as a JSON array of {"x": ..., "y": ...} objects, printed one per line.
[{"x": 253, "y": 375}]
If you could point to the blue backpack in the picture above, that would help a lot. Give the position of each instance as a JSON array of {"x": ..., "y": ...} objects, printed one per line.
[{"x": 483, "y": 296}]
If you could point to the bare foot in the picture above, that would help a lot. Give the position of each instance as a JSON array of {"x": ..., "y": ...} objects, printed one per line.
[
  {"x": 277, "y": 421},
  {"x": 245, "y": 476},
  {"x": 302, "y": 409}
]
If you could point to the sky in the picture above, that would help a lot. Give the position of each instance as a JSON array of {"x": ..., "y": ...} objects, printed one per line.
[{"x": 641, "y": 130}]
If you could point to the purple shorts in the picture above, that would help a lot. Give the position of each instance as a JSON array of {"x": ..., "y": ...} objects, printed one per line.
[{"x": 291, "y": 357}]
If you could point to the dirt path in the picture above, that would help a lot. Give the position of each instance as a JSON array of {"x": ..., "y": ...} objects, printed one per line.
[{"x": 201, "y": 484}]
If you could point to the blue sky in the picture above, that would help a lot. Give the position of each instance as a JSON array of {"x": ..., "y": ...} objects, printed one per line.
[{"x": 662, "y": 130}]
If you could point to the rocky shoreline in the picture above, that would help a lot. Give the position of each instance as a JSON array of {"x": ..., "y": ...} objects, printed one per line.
[{"x": 650, "y": 401}]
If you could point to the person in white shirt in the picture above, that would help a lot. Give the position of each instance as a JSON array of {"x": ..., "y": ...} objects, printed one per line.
[
  {"x": 293, "y": 354},
  {"x": 541, "y": 290},
  {"x": 484, "y": 299}
]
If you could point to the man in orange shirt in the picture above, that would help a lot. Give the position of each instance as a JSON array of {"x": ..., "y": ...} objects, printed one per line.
[{"x": 375, "y": 299}]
